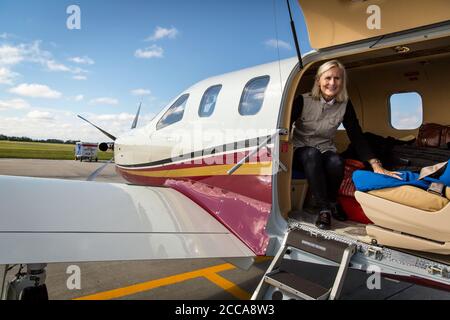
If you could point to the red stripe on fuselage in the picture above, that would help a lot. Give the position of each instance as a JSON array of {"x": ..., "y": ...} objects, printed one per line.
[
  {"x": 252, "y": 186},
  {"x": 242, "y": 203}
]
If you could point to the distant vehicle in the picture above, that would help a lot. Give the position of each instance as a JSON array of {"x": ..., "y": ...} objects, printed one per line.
[{"x": 86, "y": 151}]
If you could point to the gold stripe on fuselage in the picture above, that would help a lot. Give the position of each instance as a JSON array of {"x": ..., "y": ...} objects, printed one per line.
[{"x": 262, "y": 168}]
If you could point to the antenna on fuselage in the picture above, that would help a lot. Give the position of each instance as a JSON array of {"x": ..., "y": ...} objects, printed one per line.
[
  {"x": 103, "y": 147},
  {"x": 135, "y": 122},
  {"x": 294, "y": 33},
  {"x": 113, "y": 138}
]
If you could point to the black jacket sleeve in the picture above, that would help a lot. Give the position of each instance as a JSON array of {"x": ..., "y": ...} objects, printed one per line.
[
  {"x": 297, "y": 109},
  {"x": 355, "y": 134}
]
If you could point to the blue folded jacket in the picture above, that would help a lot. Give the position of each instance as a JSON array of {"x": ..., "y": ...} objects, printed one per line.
[{"x": 367, "y": 180}]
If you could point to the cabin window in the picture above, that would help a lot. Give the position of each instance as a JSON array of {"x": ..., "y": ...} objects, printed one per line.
[
  {"x": 209, "y": 100},
  {"x": 253, "y": 96},
  {"x": 406, "y": 110},
  {"x": 174, "y": 113}
]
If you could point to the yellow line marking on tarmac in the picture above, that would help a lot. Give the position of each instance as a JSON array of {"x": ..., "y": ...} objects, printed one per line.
[
  {"x": 209, "y": 273},
  {"x": 133, "y": 289},
  {"x": 228, "y": 286}
]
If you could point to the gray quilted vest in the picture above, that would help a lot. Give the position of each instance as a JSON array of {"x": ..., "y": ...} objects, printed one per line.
[{"x": 318, "y": 123}]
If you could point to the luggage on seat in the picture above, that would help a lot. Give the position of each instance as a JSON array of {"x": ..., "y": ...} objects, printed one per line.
[
  {"x": 431, "y": 146},
  {"x": 413, "y": 158},
  {"x": 433, "y": 135},
  {"x": 346, "y": 196}
]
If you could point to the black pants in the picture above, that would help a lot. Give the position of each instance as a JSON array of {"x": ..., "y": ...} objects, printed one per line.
[{"x": 324, "y": 172}]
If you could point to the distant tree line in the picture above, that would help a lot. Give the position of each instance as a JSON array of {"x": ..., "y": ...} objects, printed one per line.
[{"x": 26, "y": 139}]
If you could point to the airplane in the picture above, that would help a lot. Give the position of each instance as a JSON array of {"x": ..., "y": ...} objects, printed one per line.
[{"x": 211, "y": 175}]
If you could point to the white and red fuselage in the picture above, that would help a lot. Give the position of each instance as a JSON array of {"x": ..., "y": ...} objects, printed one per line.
[{"x": 194, "y": 154}]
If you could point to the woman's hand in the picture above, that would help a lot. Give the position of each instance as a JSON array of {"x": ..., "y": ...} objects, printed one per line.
[{"x": 378, "y": 168}]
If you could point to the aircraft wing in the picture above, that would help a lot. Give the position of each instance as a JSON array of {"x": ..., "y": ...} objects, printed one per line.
[{"x": 49, "y": 220}]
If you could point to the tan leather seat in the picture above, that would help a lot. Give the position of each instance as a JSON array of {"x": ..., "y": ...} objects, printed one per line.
[
  {"x": 404, "y": 220},
  {"x": 413, "y": 197}
]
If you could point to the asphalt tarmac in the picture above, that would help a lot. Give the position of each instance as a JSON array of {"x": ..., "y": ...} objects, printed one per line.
[{"x": 201, "y": 279}]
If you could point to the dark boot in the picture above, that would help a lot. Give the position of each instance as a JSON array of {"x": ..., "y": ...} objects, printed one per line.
[
  {"x": 324, "y": 219},
  {"x": 337, "y": 212}
]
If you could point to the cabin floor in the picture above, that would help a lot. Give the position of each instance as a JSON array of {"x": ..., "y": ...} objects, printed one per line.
[
  {"x": 350, "y": 229},
  {"x": 430, "y": 256}
]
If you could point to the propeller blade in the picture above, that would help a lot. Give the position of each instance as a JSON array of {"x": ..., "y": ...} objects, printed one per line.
[
  {"x": 135, "y": 122},
  {"x": 94, "y": 174},
  {"x": 103, "y": 131}
]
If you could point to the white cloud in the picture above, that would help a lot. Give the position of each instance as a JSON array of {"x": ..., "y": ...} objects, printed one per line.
[
  {"x": 407, "y": 122},
  {"x": 141, "y": 92},
  {"x": 273, "y": 43},
  {"x": 161, "y": 33},
  {"x": 10, "y": 55},
  {"x": 79, "y": 97},
  {"x": 38, "y": 126},
  {"x": 65, "y": 125},
  {"x": 7, "y": 76},
  {"x": 59, "y": 67},
  {"x": 5, "y": 35},
  {"x": 55, "y": 66},
  {"x": 79, "y": 77},
  {"x": 40, "y": 115},
  {"x": 79, "y": 70},
  {"x": 82, "y": 60},
  {"x": 153, "y": 51},
  {"x": 14, "y": 104},
  {"x": 35, "y": 91},
  {"x": 116, "y": 117},
  {"x": 32, "y": 52},
  {"x": 105, "y": 100}
]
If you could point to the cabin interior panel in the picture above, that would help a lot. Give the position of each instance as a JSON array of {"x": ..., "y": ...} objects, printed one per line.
[
  {"x": 377, "y": 84},
  {"x": 373, "y": 77}
]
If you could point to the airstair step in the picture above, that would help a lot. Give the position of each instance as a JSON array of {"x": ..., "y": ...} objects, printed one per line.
[
  {"x": 317, "y": 245},
  {"x": 297, "y": 286},
  {"x": 318, "y": 248}
]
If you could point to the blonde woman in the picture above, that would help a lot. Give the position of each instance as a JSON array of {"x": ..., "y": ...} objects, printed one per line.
[{"x": 317, "y": 116}]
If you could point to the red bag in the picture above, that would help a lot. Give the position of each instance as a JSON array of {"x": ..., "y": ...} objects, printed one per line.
[{"x": 346, "y": 196}]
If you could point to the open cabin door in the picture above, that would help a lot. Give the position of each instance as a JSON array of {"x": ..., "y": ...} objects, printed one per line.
[{"x": 336, "y": 22}]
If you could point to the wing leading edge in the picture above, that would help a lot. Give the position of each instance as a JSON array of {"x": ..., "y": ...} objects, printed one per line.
[{"x": 48, "y": 220}]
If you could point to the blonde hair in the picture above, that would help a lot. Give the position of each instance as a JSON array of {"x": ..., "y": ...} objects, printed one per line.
[{"x": 343, "y": 95}]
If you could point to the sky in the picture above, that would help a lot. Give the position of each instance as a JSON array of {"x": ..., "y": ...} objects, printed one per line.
[
  {"x": 406, "y": 110},
  {"x": 124, "y": 53}
]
